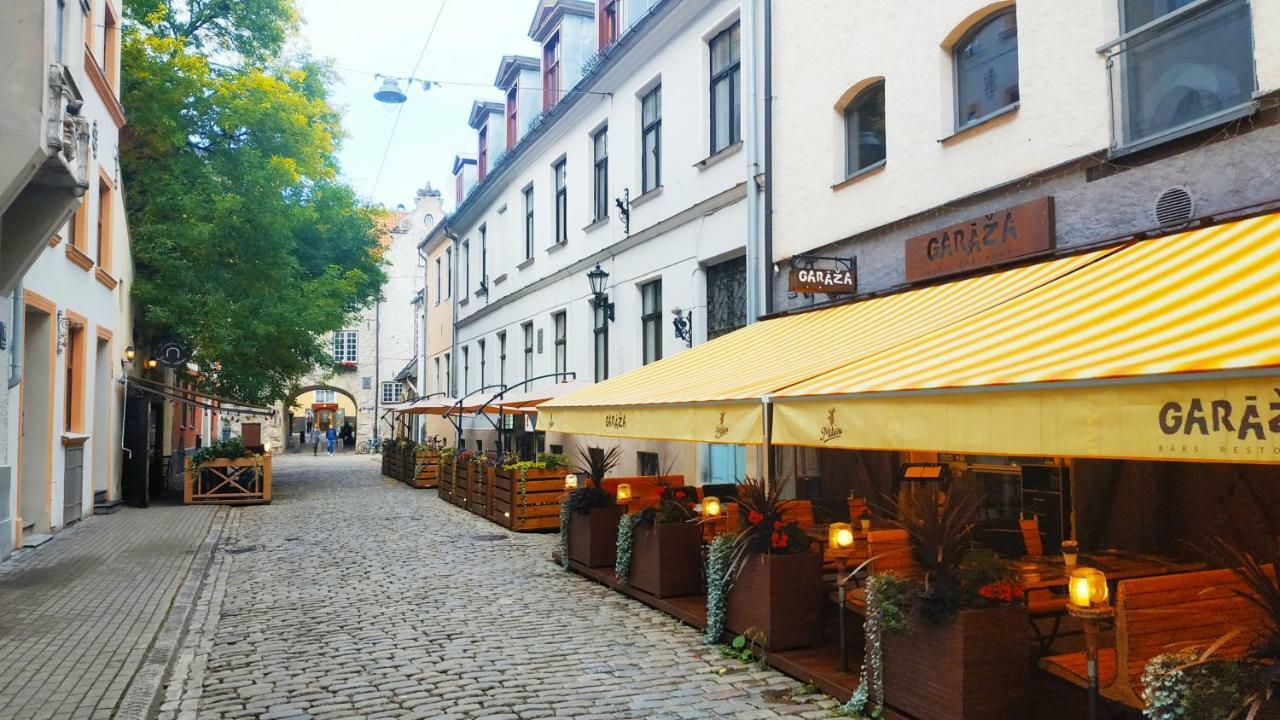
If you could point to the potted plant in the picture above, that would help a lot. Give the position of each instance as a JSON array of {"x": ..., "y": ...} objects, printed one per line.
[
  {"x": 765, "y": 578},
  {"x": 965, "y": 612},
  {"x": 527, "y": 493},
  {"x": 589, "y": 514},
  {"x": 462, "y": 478},
  {"x": 660, "y": 549},
  {"x": 226, "y": 472},
  {"x": 447, "y": 464}
]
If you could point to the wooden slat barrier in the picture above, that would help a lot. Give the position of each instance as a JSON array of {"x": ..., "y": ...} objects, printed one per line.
[{"x": 1165, "y": 614}]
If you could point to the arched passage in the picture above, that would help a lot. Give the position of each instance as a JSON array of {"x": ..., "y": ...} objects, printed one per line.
[{"x": 314, "y": 409}]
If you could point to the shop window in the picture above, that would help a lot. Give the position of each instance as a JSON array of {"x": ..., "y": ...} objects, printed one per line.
[
  {"x": 651, "y": 321},
  {"x": 1189, "y": 69},
  {"x": 647, "y": 464},
  {"x": 864, "y": 130},
  {"x": 726, "y": 90},
  {"x": 651, "y": 140},
  {"x": 726, "y": 297},
  {"x": 986, "y": 68}
]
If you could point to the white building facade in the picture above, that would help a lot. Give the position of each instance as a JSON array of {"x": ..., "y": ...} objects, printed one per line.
[
  {"x": 65, "y": 265},
  {"x": 622, "y": 148}
]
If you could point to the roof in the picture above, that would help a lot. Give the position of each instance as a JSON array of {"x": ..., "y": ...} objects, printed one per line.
[
  {"x": 481, "y": 109},
  {"x": 550, "y": 12},
  {"x": 462, "y": 159},
  {"x": 510, "y": 67}
]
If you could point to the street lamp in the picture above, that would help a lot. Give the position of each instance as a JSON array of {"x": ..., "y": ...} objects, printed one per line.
[
  {"x": 683, "y": 324},
  {"x": 599, "y": 279},
  {"x": 390, "y": 92}
]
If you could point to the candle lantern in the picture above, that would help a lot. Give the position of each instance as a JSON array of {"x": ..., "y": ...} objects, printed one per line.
[
  {"x": 840, "y": 536},
  {"x": 1087, "y": 588},
  {"x": 624, "y": 492},
  {"x": 711, "y": 506},
  {"x": 1087, "y": 596},
  {"x": 571, "y": 482},
  {"x": 866, "y": 524}
]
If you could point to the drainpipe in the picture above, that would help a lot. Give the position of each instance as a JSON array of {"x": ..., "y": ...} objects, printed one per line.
[
  {"x": 377, "y": 365},
  {"x": 755, "y": 262},
  {"x": 768, "y": 157},
  {"x": 16, "y": 348},
  {"x": 453, "y": 334},
  {"x": 763, "y": 464}
]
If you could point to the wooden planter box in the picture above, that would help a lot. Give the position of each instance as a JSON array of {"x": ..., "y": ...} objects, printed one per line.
[
  {"x": 975, "y": 666},
  {"x": 666, "y": 559},
  {"x": 781, "y": 597},
  {"x": 593, "y": 538},
  {"x": 539, "y": 509},
  {"x": 386, "y": 463},
  {"x": 461, "y": 484},
  {"x": 426, "y": 465},
  {"x": 228, "y": 482},
  {"x": 445, "y": 490},
  {"x": 481, "y": 490},
  {"x": 407, "y": 457}
]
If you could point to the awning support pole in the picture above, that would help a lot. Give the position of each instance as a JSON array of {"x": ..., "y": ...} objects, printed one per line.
[{"x": 764, "y": 467}]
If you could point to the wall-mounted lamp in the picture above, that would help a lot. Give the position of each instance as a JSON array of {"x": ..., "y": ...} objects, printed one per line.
[
  {"x": 599, "y": 279},
  {"x": 624, "y": 210},
  {"x": 129, "y": 354},
  {"x": 151, "y": 363},
  {"x": 683, "y": 323}
]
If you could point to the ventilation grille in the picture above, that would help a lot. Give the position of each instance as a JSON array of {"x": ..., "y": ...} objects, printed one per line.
[{"x": 1174, "y": 207}]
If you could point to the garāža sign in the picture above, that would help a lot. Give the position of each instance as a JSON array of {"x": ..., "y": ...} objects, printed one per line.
[
  {"x": 990, "y": 239},
  {"x": 833, "y": 281}
]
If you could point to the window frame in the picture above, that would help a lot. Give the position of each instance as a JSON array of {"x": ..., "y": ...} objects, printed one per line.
[
  {"x": 559, "y": 174},
  {"x": 528, "y": 223},
  {"x": 502, "y": 358},
  {"x": 600, "y": 173},
  {"x": 439, "y": 280},
  {"x": 647, "y": 128},
  {"x": 106, "y": 192},
  {"x": 610, "y": 13},
  {"x": 849, "y": 117},
  {"x": 651, "y": 320},
  {"x": 480, "y": 349},
  {"x": 448, "y": 272},
  {"x": 527, "y": 329},
  {"x": 482, "y": 152},
  {"x": 513, "y": 115},
  {"x": 346, "y": 346},
  {"x": 551, "y": 56},
  {"x": 600, "y": 341},
  {"x": 560, "y": 323},
  {"x": 396, "y": 388},
  {"x": 732, "y": 74},
  {"x": 956, "y": 75},
  {"x": 466, "y": 370},
  {"x": 464, "y": 254}
]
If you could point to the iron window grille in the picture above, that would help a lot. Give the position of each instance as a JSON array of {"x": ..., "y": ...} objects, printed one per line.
[{"x": 726, "y": 297}]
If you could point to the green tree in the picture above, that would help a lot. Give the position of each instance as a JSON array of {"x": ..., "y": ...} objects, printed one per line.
[{"x": 248, "y": 249}]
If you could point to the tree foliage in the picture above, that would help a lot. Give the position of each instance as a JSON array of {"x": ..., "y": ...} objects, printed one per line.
[{"x": 248, "y": 248}]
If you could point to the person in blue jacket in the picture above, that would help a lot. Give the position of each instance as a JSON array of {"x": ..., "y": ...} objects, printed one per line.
[{"x": 331, "y": 438}]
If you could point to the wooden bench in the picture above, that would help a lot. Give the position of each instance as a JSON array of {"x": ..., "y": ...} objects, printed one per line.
[
  {"x": 644, "y": 489},
  {"x": 1165, "y": 614}
]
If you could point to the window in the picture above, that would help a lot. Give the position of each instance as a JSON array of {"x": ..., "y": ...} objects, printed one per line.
[
  {"x": 600, "y": 331},
  {"x": 651, "y": 140},
  {"x": 562, "y": 204},
  {"x": 464, "y": 256},
  {"x": 1187, "y": 71},
  {"x": 513, "y": 128},
  {"x": 480, "y": 349},
  {"x": 439, "y": 280},
  {"x": 484, "y": 259},
  {"x": 104, "y": 222},
  {"x": 651, "y": 320},
  {"x": 502, "y": 358},
  {"x": 60, "y": 25},
  {"x": 344, "y": 346},
  {"x": 448, "y": 271},
  {"x": 528, "y": 222},
  {"x": 528, "y": 350},
  {"x": 647, "y": 464},
  {"x": 726, "y": 89},
  {"x": 726, "y": 297},
  {"x": 73, "y": 389},
  {"x": 608, "y": 23},
  {"x": 439, "y": 386},
  {"x": 390, "y": 391},
  {"x": 448, "y": 373},
  {"x": 864, "y": 139},
  {"x": 482, "y": 152},
  {"x": 986, "y": 61},
  {"x": 78, "y": 230},
  {"x": 562, "y": 349},
  {"x": 600, "y": 152},
  {"x": 366, "y": 381},
  {"x": 466, "y": 370},
  {"x": 551, "y": 71},
  {"x": 110, "y": 46},
  {"x": 326, "y": 396},
  {"x": 89, "y": 21}
]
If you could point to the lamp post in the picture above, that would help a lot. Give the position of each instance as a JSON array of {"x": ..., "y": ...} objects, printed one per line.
[
  {"x": 1087, "y": 599},
  {"x": 599, "y": 279},
  {"x": 840, "y": 542}
]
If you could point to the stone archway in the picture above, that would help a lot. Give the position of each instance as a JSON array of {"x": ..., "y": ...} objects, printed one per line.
[{"x": 306, "y": 412}]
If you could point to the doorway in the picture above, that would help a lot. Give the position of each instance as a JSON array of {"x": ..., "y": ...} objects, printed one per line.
[
  {"x": 100, "y": 463},
  {"x": 36, "y": 403}
]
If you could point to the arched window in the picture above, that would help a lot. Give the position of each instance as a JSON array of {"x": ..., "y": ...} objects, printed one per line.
[
  {"x": 427, "y": 221},
  {"x": 864, "y": 138},
  {"x": 986, "y": 60}
]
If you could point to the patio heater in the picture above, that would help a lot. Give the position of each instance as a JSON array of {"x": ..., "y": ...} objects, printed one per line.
[{"x": 1088, "y": 600}]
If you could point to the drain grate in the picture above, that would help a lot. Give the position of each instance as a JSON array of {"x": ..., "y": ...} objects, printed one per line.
[
  {"x": 488, "y": 538},
  {"x": 241, "y": 549}
]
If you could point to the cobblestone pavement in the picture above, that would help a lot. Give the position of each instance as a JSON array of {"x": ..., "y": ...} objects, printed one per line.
[
  {"x": 353, "y": 595},
  {"x": 79, "y": 616}
]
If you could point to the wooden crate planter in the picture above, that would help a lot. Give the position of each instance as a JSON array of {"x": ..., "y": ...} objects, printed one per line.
[
  {"x": 537, "y": 508},
  {"x": 228, "y": 482},
  {"x": 461, "y": 484},
  {"x": 481, "y": 490},
  {"x": 975, "y": 666},
  {"x": 781, "y": 597},
  {"x": 666, "y": 559},
  {"x": 445, "y": 491},
  {"x": 593, "y": 537},
  {"x": 426, "y": 469}
]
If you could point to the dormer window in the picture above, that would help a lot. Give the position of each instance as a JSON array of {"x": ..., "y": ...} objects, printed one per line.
[
  {"x": 482, "y": 154},
  {"x": 608, "y": 23},
  {"x": 513, "y": 127},
  {"x": 551, "y": 71}
]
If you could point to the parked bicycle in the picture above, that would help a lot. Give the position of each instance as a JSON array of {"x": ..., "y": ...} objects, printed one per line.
[{"x": 369, "y": 446}]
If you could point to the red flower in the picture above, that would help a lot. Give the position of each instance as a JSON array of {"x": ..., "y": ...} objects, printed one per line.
[
  {"x": 754, "y": 517},
  {"x": 679, "y": 493},
  {"x": 777, "y": 524}
]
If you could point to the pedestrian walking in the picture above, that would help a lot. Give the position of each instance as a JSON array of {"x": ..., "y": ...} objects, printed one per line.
[
  {"x": 331, "y": 438},
  {"x": 315, "y": 442}
]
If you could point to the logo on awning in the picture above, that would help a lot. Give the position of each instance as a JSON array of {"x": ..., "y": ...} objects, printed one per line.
[
  {"x": 721, "y": 428},
  {"x": 830, "y": 431}
]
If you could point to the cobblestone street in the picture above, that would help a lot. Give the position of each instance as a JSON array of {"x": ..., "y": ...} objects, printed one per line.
[{"x": 353, "y": 595}]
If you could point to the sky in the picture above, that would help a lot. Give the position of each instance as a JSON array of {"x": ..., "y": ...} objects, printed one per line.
[{"x": 363, "y": 37}]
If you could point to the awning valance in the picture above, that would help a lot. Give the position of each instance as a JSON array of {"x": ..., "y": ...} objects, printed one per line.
[{"x": 1165, "y": 348}]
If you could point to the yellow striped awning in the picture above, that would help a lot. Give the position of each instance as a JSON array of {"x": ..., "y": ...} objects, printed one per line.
[
  {"x": 712, "y": 393},
  {"x": 1166, "y": 349}
]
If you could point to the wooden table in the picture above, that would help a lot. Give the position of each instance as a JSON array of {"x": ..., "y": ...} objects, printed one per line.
[{"x": 1050, "y": 572}]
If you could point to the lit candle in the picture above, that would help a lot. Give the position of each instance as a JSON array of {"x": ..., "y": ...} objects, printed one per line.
[
  {"x": 1087, "y": 588},
  {"x": 624, "y": 492},
  {"x": 711, "y": 506},
  {"x": 570, "y": 482},
  {"x": 840, "y": 536}
]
